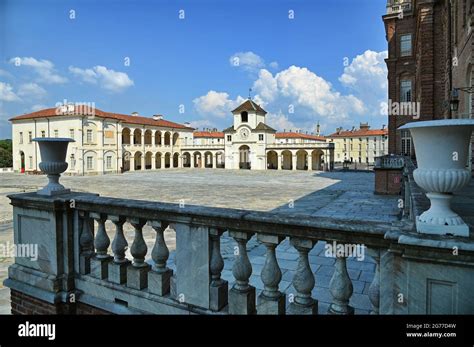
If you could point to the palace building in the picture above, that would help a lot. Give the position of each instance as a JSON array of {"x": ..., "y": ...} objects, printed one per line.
[{"x": 107, "y": 142}]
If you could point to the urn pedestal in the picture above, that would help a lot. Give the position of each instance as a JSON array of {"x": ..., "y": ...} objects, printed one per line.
[
  {"x": 442, "y": 152},
  {"x": 53, "y": 163}
]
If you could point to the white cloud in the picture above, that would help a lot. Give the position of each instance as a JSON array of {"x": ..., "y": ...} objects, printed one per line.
[
  {"x": 304, "y": 88},
  {"x": 201, "y": 124},
  {"x": 280, "y": 122},
  {"x": 247, "y": 60},
  {"x": 273, "y": 65},
  {"x": 43, "y": 68},
  {"x": 108, "y": 79},
  {"x": 366, "y": 77},
  {"x": 6, "y": 93},
  {"x": 31, "y": 90},
  {"x": 216, "y": 104}
]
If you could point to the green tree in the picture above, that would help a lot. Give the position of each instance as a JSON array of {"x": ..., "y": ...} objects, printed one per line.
[{"x": 6, "y": 153}]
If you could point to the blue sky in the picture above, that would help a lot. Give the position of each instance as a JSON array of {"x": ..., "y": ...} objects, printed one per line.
[{"x": 306, "y": 61}]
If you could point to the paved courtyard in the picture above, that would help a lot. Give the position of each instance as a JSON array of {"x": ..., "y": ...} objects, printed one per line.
[{"x": 344, "y": 195}]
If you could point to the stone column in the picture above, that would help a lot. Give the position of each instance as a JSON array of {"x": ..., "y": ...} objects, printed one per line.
[
  {"x": 218, "y": 288},
  {"x": 163, "y": 158},
  {"x": 132, "y": 162},
  {"x": 271, "y": 300},
  {"x": 215, "y": 161},
  {"x": 117, "y": 271},
  {"x": 86, "y": 241},
  {"x": 191, "y": 158},
  {"x": 279, "y": 158},
  {"x": 137, "y": 272},
  {"x": 153, "y": 162},
  {"x": 142, "y": 161},
  {"x": 242, "y": 295},
  {"x": 303, "y": 281},
  {"x": 99, "y": 264},
  {"x": 160, "y": 275},
  {"x": 310, "y": 161},
  {"x": 294, "y": 158}
]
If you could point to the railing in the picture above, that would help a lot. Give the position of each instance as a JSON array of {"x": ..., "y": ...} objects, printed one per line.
[
  {"x": 301, "y": 145},
  {"x": 212, "y": 146},
  {"x": 197, "y": 285}
]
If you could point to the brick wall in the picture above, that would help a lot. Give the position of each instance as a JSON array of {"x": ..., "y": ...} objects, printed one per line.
[{"x": 22, "y": 304}]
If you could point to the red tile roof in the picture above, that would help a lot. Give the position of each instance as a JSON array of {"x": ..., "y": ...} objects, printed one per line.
[
  {"x": 292, "y": 135},
  {"x": 360, "y": 132},
  {"x": 213, "y": 134},
  {"x": 249, "y": 105},
  {"x": 52, "y": 112}
]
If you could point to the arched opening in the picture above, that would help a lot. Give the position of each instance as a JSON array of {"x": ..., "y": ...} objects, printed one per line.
[
  {"x": 176, "y": 160},
  {"x": 317, "y": 159},
  {"x": 175, "y": 139},
  {"x": 167, "y": 160},
  {"x": 22, "y": 162},
  {"x": 220, "y": 160},
  {"x": 167, "y": 138},
  {"x": 272, "y": 160},
  {"x": 197, "y": 159},
  {"x": 158, "y": 160},
  {"x": 138, "y": 161},
  {"x": 301, "y": 160},
  {"x": 137, "y": 137},
  {"x": 244, "y": 117},
  {"x": 126, "y": 162},
  {"x": 126, "y": 136},
  {"x": 158, "y": 138},
  {"x": 286, "y": 158},
  {"x": 148, "y": 159},
  {"x": 186, "y": 159},
  {"x": 148, "y": 137},
  {"x": 244, "y": 157},
  {"x": 208, "y": 160}
]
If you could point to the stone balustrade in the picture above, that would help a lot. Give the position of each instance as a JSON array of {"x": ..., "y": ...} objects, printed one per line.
[{"x": 77, "y": 257}]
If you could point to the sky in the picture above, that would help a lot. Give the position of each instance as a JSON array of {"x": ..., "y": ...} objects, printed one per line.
[{"x": 194, "y": 61}]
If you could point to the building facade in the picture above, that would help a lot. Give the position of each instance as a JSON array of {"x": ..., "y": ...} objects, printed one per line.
[
  {"x": 361, "y": 145},
  {"x": 430, "y": 59},
  {"x": 107, "y": 142}
]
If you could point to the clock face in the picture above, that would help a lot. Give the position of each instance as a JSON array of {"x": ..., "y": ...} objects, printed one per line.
[{"x": 244, "y": 133}]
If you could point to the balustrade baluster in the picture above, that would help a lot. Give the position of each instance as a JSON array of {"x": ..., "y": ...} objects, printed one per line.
[
  {"x": 341, "y": 288},
  {"x": 374, "y": 289},
  {"x": 303, "y": 280},
  {"x": 159, "y": 276},
  {"x": 271, "y": 300},
  {"x": 137, "y": 272},
  {"x": 242, "y": 295},
  {"x": 99, "y": 264},
  {"x": 86, "y": 243},
  {"x": 118, "y": 267},
  {"x": 218, "y": 289}
]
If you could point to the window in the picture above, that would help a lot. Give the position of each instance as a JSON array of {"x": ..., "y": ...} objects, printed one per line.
[
  {"x": 229, "y": 137},
  {"x": 71, "y": 133},
  {"x": 31, "y": 162},
  {"x": 21, "y": 138},
  {"x": 406, "y": 142},
  {"x": 260, "y": 137},
  {"x": 30, "y": 136},
  {"x": 43, "y": 133},
  {"x": 405, "y": 91},
  {"x": 244, "y": 117},
  {"x": 56, "y": 133},
  {"x": 89, "y": 163},
  {"x": 73, "y": 162},
  {"x": 108, "y": 162},
  {"x": 405, "y": 45},
  {"x": 89, "y": 136}
]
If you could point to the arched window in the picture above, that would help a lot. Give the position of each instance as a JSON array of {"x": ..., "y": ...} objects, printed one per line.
[{"x": 244, "y": 117}]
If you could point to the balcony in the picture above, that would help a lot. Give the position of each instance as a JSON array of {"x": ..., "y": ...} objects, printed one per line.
[{"x": 399, "y": 6}]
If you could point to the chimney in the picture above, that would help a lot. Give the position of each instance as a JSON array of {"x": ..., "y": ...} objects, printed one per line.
[
  {"x": 353, "y": 128},
  {"x": 318, "y": 129},
  {"x": 186, "y": 124},
  {"x": 157, "y": 117},
  {"x": 383, "y": 127},
  {"x": 134, "y": 114},
  {"x": 364, "y": 126}
]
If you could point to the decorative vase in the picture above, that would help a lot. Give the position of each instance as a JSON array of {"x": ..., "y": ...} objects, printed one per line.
[
  {"x": 53, "y": 163},
  {"x": 442, "y": 152}
]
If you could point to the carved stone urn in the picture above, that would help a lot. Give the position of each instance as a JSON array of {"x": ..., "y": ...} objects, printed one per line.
[
  {"x": 53, "y": 163},
  {"x": 442, "y": 152}
]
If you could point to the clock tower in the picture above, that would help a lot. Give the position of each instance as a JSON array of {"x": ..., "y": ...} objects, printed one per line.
[{"x": 246, "y": 140}]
